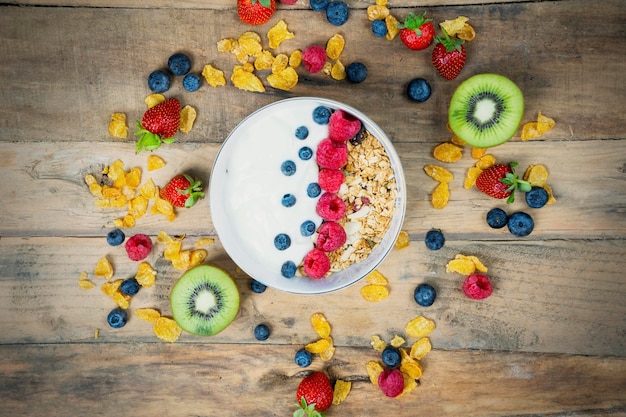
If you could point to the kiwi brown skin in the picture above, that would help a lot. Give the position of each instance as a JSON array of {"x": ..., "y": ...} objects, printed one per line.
[
  {"x": 486, "y": 110},
  {"x": 204, "y": 301}
]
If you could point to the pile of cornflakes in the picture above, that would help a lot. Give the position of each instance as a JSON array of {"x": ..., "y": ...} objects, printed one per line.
[
  {"x": 410, "y": 367},
  {"x": 533, "y": 130},
  {"x": 183, "y": 259},
  {"x": 441, "y": 194},
  {"x": 323, "y": 346},
  {"x": 376, "y": 290},
  {"x": 465, "y": 265}
]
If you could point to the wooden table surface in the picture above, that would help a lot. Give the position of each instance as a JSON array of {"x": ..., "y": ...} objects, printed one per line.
[{"x": 551, "y": 340}]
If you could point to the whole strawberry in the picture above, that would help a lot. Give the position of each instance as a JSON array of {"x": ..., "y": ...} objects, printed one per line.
[
  {"x": 255, "y": 12},
  {"x": 417, "y": 32},
  {"x": 158, "y": 124},
  {"x": 500, "y": 181},
  {"x": 448, "y": 56},
  {"x": 314, "y": 394},
  {"x": 182, "y": 191}
]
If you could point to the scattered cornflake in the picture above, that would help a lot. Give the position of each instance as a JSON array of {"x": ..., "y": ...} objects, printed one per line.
[
  {"x": 167, "y": 329},
  {"x": 117, "y": 126},
  {"x": 146, "y": 275},
  {"x": 440, "y": 196},
  {"x": 419, "y": 327},
  {"x": 320, "y": 325},
  {"x": 477, "y": 153},
  {"x": 470, "y": 178},
  {"x": 96, "y": 333},
  {"x": 155, "y": 162},
  {"x": 246, "y": 80},
  {"x": 457, "y": 141},
  {"x": 486, "y": 161},
  {"x": 410, "y": 366},
  {"x": 278, "y": 34},
  {"x": 536, "y": 175},
  {"x": 375, "y": 277},
  {"x": 533, "y": 130},
  {"x": 328, "y": 353},
  {"x": 284, "y": 79},
  {"x": 264, "y": 61},
  {"x": 180, "y": 259},
  {"x": 204, "y": 241},
  {"x": 334, "y": 46},
  {"x": 403, "y": 240},
  {"x": 447, "y": 152},
  {"x": 397, "y": 341},
  {"x": 377, "y": 343},
  {"x": 341, "y": 391},
  {"x": 250, "y": 44},
  {"x": 551, "y": 199},
  {"x": 187, "y": 117},
  {"x": 374, "y": 293},
  {"x": 148, "y": 314},
  {"x": 226, "y": 45},
  {"x": 213, "y": 76},
  {"x": 438, "y": 173},
  {"x": 318, "y": 346},
  {"x": 420, "y": 348},
  {"x": 392, "y": 27},
  {"x": 112, "y": 289},
  {"x": 103, "y": 269},
  {"x": 465, "y": 265},
  {"x": 409, "y": 384},
  {"x": 154, "y": 99},
  {"x": 162, "y": 206},
  {"x": 374, "y": 369},
  {"x": 84, "y": 282},
  {"x": 377, "y": 12}
]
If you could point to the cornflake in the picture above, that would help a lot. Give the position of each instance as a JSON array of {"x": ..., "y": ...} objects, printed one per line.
[
  {"x": 246, "y": 80},
  {"x": 320, "y": 324},
  {"x": 213, "y": 76},
  {"x": 374, "y": 369},
  {"x": 148, "y": 314},
  {"x": 441, "y": 196},
  {"x": 341, "y": 391},
  {"x": 419, "y": 327},
  {"x": 403, "y": 240},
  {"x": 374, "y": 293},
  {"x": 187, "y": 117},
  {"x": 334, "y": 46},
  {"x": 533, "y": 130},
  {"x": 421, "y": 348},
  {"x": 438, "y": 173},
  {"x": 377, "y": 343},
  {"x": 155, "y": 162},
  {"x": 84, "y": 282},
  {"x": 154, "y": 99},
  {"x": 465, "y": 265},
  {"x": 278, "y": 34},
  {"x": 447, "y": 152},
  {"x": 146, "y": 275},
  {"x": 117, "y": 126},
  {"x": 103, "y": 269},
  {"x": 375, "y": 277},
  {"x": 167, "y": 329}
]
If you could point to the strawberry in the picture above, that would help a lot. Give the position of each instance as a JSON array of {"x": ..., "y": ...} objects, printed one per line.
[
  {"x": 448, "y": 56},
  {"x": 255, "y": 12},
  {"x": 182, "y": 191},
  {"x": 314, "y": 394},
  {"x": 417, "y": 32},
  {"x": 158, "y": 124},
  {"x": 500, "y": 181}
]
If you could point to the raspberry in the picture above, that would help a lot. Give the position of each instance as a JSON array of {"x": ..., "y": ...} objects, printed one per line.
[
  {"x": 343, "y": 126},
  {"x": 330, "y": 207},
  {"x": 330, "y": 179},
  {"x": 138, "y": 247},
  {"x": 391, "y": 382},
  {"x": 330, "y": 154},
  {"x": 477, "y": 286},
  {"x": 314, "y": 58},
  {"x": 331, "y": 236},
  {"x": 316, "y": 263}
]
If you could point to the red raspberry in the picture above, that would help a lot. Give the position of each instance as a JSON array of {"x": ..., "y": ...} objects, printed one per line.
[
  {"x": 314, "y": 58},
  {"x": 316, "y": 263},
  {"x": 331, "y": 236},
  {"x": 391, "y": 382},
  {"x": 343, "y": 126},
  {"x": 477, "y": 286},
  {"x": 330, "y": 207},
  {"x": 330, "y": 154},
  {"x": 138, "y": 247},
  {"x": 330, "y": 179}
]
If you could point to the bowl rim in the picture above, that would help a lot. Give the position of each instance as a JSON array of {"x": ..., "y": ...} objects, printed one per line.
[{"x": 391, "y": 234}]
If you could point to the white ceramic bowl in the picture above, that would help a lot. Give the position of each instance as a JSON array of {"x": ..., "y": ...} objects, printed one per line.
[{"x": 239, "y": 209}]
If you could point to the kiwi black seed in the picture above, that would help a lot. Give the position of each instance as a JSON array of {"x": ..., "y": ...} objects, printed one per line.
[
  {"x": 486, "y": 110},
  {"x": 204, "y": 301}
]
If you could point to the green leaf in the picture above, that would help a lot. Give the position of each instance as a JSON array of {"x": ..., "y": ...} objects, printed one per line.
[{"x": 264, "y": 3}]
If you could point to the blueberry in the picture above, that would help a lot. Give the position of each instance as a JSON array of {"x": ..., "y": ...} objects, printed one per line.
[
  {"x": 321, "y": 115},
  {"x": 117, "y": 318},
  {"x": 379, "y": 28},
  {"x": 434, "y": 239},
  {"x": 288, "y": 168},
  {"x": 159, "y": 81},
  {"x": 318, "y": 5},
  {"x": 179, "y": 64},
  {"x": 537, "y": 197},
  {"x": 115, "y": 237},
  {"x": 520, "y": 224},
  {"x": 282, "y": 241},
  {"x": 302, "y": 132},
  {"x": 288, "y": 269},
  {"x": 337, "y": 13},
  {"x": 192, "y": 82},
  {"x": 425, "y": 295},
  {"x": 288, "y": 200},
  {"x": 130, "y": 287},
  {"x": 257, "y": 287},
  {"x": 307, "y": 228},
  {"x": 303, "y": 358},
  {"x": 391, "y": 356},
  {"x": 497, "y": 218},
  {"x": 356, "y": 72},
  {"x": 313, "y": 190},
  {"x": 418, "y": 90},
  {"x": 261, "y": 332},
  {"x": 305, "y": 153}
]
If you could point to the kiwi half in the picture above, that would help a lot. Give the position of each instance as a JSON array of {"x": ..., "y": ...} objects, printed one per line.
[
  {"x": 486, "y": 110},
  {"x": 204, "y": 301}
]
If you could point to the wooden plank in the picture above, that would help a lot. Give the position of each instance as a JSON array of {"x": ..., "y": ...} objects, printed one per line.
[
  {"x": 197, "y": 379},
  {"x": 65, "y": 84},
  {"x": 552, "y": 296},
  {"x": 588, "y": 178}
]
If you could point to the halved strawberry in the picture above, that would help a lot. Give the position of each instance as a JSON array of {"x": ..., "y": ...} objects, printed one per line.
[
  {"x": 500, "y": 181},
  {"x": 158, "y": 124}
]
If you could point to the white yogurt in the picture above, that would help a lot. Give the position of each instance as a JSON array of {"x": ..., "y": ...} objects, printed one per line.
[{"x": 257, "y": 185}]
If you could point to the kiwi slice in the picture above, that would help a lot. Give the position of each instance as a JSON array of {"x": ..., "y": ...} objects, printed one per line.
[
  {"x": 204, "y": 301},
  {"x": 486, "y": 110}
]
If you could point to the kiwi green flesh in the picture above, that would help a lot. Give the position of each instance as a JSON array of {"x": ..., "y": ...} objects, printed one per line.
[
  {"x": 204, "y": 301},
  {"x": 486, "y": 110}
]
